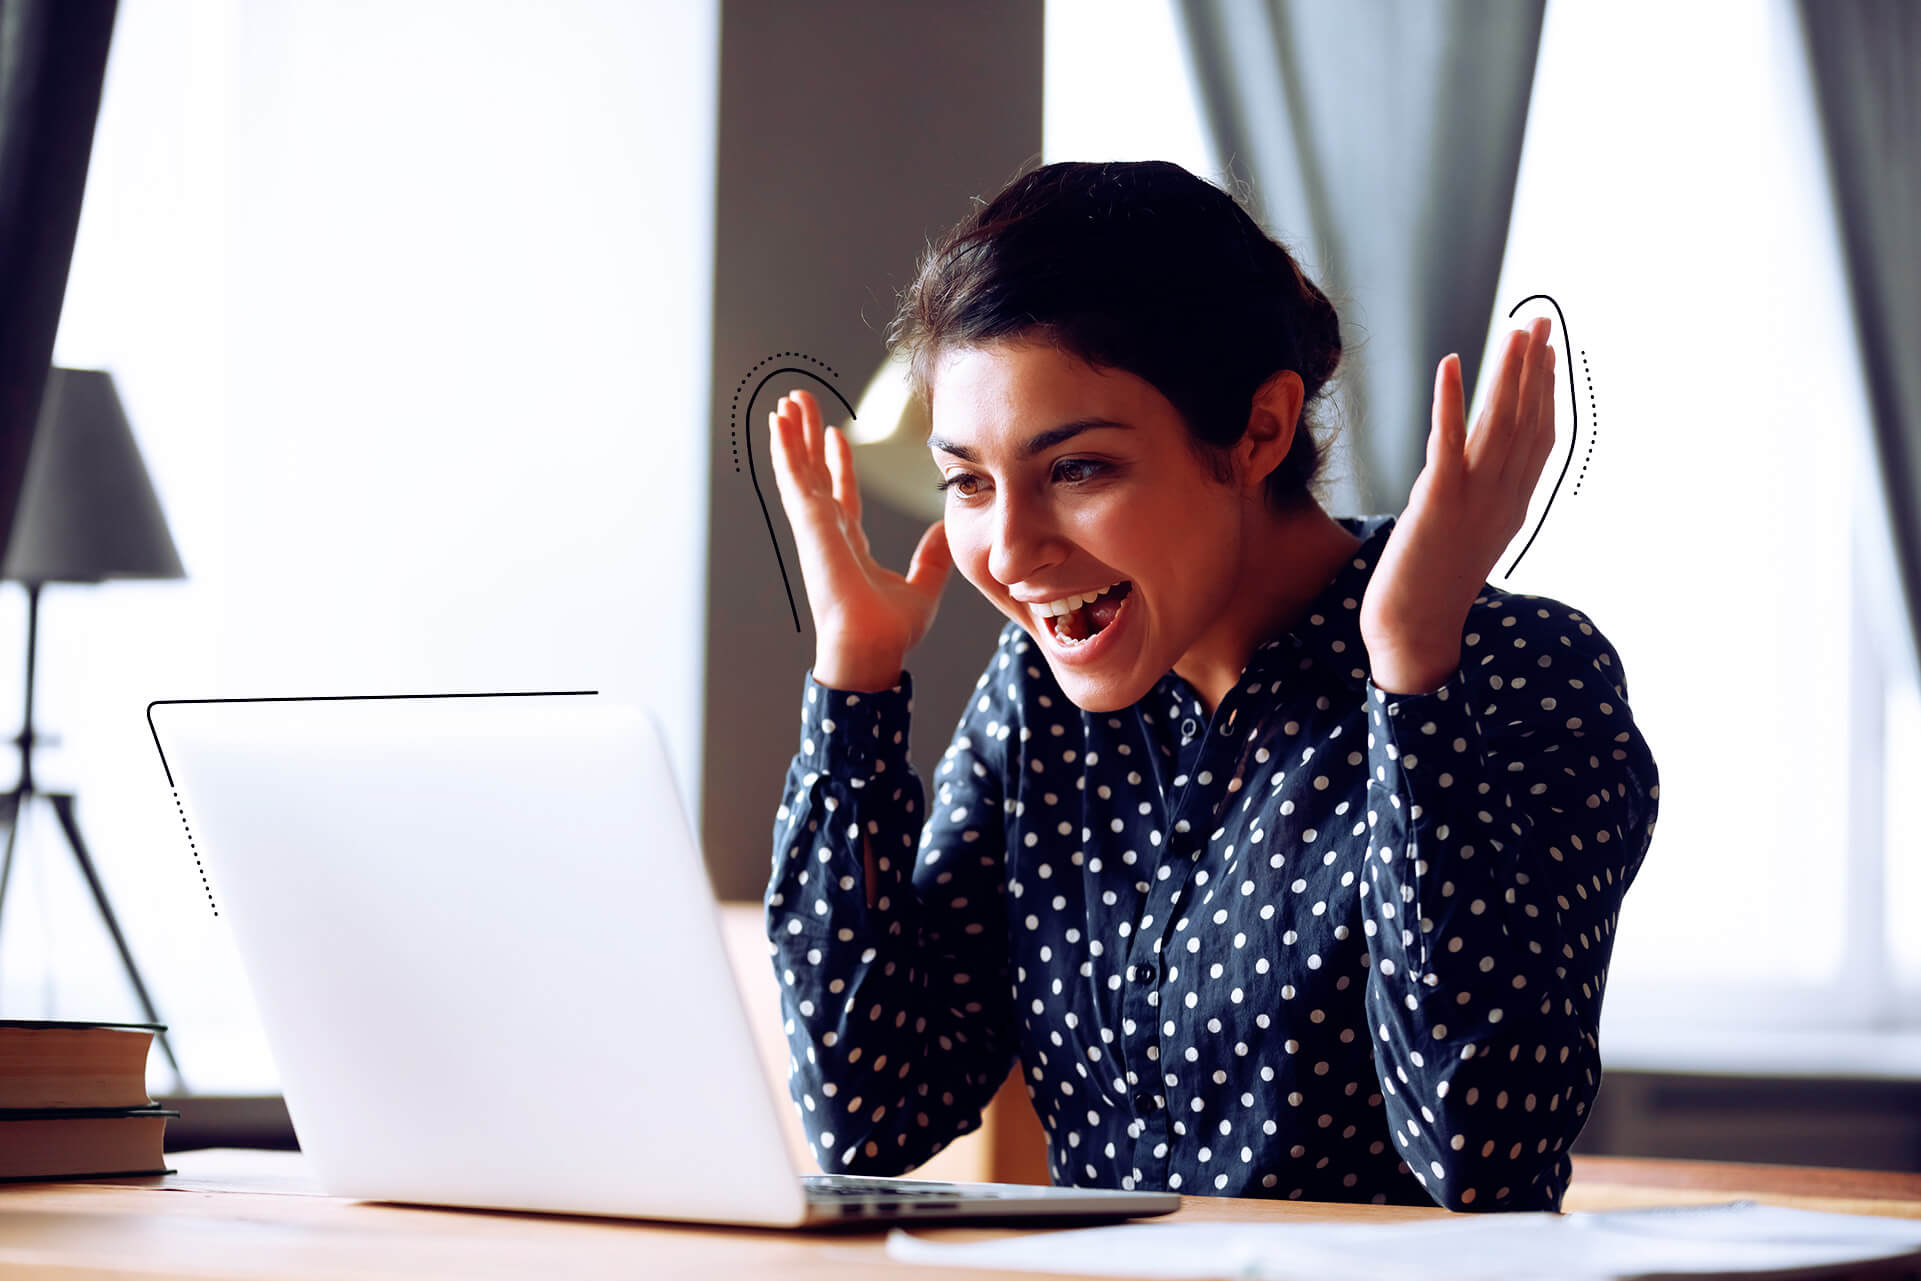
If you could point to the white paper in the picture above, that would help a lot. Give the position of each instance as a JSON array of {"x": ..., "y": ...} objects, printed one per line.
[{"x": 1733, "y": 1239}]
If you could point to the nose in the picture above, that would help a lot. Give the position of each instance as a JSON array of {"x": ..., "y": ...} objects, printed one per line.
[{"x": 1025, "y": 541}]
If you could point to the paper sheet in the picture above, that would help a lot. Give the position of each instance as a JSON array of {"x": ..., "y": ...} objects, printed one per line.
[{"x": 1733, "y": 1239}]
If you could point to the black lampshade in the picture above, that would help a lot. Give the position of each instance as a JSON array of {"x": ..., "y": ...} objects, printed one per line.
[{"x": 87, "y": 509}]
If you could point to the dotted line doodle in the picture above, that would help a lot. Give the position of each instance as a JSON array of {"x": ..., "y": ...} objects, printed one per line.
[
  {"x": 733, "y": 413},
  {"x": 196, "y": 852},
  {"x": 1594, "y": 423},
  {"x": 733, "y": 418}
]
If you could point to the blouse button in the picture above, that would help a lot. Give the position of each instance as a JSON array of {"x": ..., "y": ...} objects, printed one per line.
[
  {"x": 1143, "y": 1102},
  {"x": 1144, "y": 971},
  {"x": 1188, "y": 727}
]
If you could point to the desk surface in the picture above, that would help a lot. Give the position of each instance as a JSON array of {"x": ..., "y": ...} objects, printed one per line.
[{"x": 232, "y": 1213}]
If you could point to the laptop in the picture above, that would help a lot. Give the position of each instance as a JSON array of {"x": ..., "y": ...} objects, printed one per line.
[{"x": 490, "y": 966}]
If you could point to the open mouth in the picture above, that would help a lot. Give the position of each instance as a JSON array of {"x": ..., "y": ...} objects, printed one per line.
[{"x": 1088, "y": 620}]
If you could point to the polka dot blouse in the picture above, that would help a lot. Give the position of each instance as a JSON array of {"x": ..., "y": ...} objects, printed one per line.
[{"x": 1329, "y": 943}]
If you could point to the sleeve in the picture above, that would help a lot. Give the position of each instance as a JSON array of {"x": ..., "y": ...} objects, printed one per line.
[
  {"x": 900, "y": 1014},
  {"x": 1508, "y": 811}
]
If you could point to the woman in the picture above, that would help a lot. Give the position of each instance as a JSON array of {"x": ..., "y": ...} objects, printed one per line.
[{"x": 1282, "y": 851}]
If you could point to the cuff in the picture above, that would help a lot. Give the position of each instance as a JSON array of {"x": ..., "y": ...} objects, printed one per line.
[
  {"x": 855, "y": 734},
  {"x": 1429, "y": 736}
]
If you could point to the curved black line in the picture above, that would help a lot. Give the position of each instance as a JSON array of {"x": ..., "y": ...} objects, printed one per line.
[
  {"x": 334, "y": 698},
  {"x": 754, "y": 476},
  {"x": 1574, "y": 406}
]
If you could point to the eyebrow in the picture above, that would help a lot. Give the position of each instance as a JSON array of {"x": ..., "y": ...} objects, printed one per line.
[{"x": 1046, "y": 440}]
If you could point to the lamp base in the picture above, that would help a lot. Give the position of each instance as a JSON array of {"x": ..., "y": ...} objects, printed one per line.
[{"x": 15, "y": 804}]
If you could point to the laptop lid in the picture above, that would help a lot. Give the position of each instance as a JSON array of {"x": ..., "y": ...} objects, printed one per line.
[{"x": 485, "y": 952}]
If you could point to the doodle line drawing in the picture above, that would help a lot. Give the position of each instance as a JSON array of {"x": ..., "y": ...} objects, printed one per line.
[
  {"x": 1573, "y": 436},
  {"x": 299, "y": 698},
  {"x": 754, "y": 476},
  {"x": 1594, "y": 424}
]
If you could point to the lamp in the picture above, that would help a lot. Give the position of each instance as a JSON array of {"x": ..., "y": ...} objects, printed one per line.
[
  {"x": 87, "y": 513},
  {"x": 889, "y": 440}
]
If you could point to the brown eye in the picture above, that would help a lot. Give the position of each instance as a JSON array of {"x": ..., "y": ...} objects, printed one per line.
[{"x": 1086, "y": 467}]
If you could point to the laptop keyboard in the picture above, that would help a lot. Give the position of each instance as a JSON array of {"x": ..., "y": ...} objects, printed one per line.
[{"x": 850, "y": 1185}]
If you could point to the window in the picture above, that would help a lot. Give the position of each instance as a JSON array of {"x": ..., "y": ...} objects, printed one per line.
[
  {"x": 1726, "y": 533},
  {"x": 397, "y": 359},
  {"x": 1116, "y": 86}
]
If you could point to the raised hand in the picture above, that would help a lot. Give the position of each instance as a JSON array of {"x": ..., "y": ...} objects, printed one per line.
[
  {"x": 866, "y": 617},
  {"x": 1466, "y": 507}
]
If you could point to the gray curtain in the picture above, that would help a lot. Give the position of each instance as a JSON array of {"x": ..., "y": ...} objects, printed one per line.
[
  {"x": 1864, "y": 59},
  {"x": 53, "y": 61},
  {"x": 1381, "y": 139}
]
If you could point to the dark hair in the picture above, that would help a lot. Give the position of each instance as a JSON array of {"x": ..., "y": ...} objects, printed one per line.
[{"x": 1138, "y": 266}]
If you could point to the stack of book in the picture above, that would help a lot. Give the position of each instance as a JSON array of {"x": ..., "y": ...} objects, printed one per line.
[{"x": 73, "y": 1101}]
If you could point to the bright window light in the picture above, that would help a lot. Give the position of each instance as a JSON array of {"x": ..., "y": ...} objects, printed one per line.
[
  {"x": 1685, "y": 229},
  {"x": 419, "y": 366},
  {"x": 1117, "y": 86}
]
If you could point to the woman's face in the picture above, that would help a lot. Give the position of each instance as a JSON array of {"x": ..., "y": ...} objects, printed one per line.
[{"x": 1065, "y": 480}]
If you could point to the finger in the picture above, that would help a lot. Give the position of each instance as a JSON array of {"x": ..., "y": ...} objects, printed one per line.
[
  {"x": 1548, "y": 381},
  {"x": 1448, "y": 437},
  {"x": 1494, "y": 438},
  {"x": 833, "y": 556},
  {"x": 1544, "y": 435},
  {"x": 933, "y": 558},
  {"x": 1534, "y": 412},
  {"x": 840, "y": 460},
  {"x": 807, "y": 422},
  {"x": 791, "y": 472},
  {"x": 780, "y": 454},
  {"x": 810, "y": 422},
  {"x": 1510, "y": 425}
]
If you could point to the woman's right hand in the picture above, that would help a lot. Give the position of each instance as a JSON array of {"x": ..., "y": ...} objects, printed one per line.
[{"x": 866, "y": 617}]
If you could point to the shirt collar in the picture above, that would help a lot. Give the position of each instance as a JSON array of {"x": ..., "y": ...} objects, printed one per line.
[{"x": 1328, "y": 634}]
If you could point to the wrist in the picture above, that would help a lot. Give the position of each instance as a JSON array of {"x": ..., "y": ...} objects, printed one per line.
[
  {"x": 1413, "y": 672},
  {"x": 856, "y": 668},
  {"x": 1414, "y": 659}
]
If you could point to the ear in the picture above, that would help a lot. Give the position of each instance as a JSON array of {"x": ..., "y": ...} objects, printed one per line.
[{"x": 1271, "y": 421}]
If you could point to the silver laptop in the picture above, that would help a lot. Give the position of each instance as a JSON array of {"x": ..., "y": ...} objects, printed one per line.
[{"x": 491, "y": 970}]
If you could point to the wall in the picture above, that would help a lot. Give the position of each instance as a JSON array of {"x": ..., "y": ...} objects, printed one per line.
[{"x": 849, "y": 134}]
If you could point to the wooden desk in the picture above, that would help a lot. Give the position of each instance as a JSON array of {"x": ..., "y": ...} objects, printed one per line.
[{"x": 234, "y": 1213}]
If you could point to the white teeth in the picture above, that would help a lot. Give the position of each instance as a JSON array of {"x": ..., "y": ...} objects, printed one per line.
[{"x": 1068, "y": 604}]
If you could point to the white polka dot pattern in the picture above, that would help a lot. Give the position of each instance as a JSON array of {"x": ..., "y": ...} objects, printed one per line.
[{"x": 1328, "y": 944}]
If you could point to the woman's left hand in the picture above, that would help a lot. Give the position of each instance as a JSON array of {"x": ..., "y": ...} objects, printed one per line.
[{"x": 1466, "y": 507}]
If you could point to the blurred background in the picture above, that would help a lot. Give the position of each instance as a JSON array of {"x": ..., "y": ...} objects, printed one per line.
[{"x": 435, "y": 324}]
